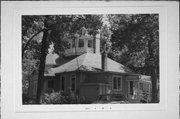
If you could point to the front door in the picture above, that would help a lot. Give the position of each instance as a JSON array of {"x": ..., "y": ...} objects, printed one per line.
[{"x": 132, "y": 89}]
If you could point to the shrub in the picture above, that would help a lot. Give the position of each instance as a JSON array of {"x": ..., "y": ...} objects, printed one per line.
[
  {"x": 53, "y": 98},
  {"x": 58, "y": 98}
]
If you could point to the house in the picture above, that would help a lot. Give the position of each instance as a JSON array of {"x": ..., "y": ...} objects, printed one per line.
[{"x": 87, "y": 74}]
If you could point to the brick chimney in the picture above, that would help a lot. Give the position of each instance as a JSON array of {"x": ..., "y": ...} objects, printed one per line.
[
  {"x": 104, "y": 61},
  {"x": 96, "y": 43}
]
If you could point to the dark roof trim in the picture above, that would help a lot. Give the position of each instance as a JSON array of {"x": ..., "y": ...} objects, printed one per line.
[{"x": 98, "y": 72}]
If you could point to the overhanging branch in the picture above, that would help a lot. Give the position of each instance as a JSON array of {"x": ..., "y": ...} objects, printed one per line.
[{"x": 25, "y": 47}]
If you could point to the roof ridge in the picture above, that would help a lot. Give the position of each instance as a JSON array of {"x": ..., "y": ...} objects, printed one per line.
[
  {"x": 84, "y": 58},
  {"x": 90, "y": 62}
]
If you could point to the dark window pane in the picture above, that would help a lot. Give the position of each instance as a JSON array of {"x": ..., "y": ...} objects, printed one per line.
[
  {"x": 119, "y": 83},
  {"x": 90, "y": 44},
  {"x": 50, "y": 84},
  {"x": 114, "y": 83},
  {"x": 73, "y": 83},
  {"x": 131, "y": 87},
  {"x": 62, "y": 83}
]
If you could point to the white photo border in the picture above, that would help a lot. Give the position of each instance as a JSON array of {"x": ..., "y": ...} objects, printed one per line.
[{"x": 11, "y": 52}]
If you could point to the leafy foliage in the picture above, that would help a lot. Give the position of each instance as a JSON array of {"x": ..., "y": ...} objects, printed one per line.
[
  {"x": 136, "y": 37},
  {"x": 59, "y": 98},
  {"x": 131, "y": 34},
  {"x": 30, "y": 26},
  {"x": 105, "y": 39},
  {"x": 61, "y": 28},
  {"x": 71, "y": 26},
  {"x": 39, "y": 32},
  {"x": 54, "y": 98}
]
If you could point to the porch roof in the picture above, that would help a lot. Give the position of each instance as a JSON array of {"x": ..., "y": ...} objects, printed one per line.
[{"x": 90, "y": 62}]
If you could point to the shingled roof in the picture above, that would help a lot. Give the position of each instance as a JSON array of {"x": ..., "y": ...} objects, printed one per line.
[{"x": 90, "y": 62}]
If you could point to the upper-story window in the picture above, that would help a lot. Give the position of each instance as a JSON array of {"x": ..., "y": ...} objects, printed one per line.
[
  {"x": 81, "y": 42},
  {"x": 90, "y": 43}
]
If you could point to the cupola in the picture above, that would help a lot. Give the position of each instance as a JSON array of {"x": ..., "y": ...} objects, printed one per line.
[{"x": 83, "y": 44}]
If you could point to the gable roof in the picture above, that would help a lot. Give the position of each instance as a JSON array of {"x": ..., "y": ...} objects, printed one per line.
[{"x": 90, "y": 62}]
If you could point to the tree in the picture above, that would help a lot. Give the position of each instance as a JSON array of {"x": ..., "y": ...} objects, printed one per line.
[
  {"x": 57, "y": 29},
  {"x": 31, "y": 36},
  {"x": 135, "y": 43}
]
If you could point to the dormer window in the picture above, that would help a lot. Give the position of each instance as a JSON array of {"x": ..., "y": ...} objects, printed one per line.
[
  {"x": 81, "y": 42},
  {"x": 90, "y": 43}
]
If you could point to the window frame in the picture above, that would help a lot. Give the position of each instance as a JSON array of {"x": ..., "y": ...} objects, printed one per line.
[
  {"x": 50, "y": 83},
  {"x": 89, "y": 40},
  {"x": 117, "y": 89},
  {"x": 61, "y": 82},
  {"x": 73, "y": 76},
  {"x": 79, "y": 43},
  {"x": 131, "y": 87}
]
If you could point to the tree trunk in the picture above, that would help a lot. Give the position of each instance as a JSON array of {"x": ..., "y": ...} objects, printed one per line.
[
  {"x": 42, "y": 67},
  {"x": 152, "y": 68},
  {"x": 154, "y": 85},
  {"x": 94, "y": 41}
]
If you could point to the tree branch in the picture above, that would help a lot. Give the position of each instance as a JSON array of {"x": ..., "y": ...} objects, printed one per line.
[{"x": 25, "y": 47}]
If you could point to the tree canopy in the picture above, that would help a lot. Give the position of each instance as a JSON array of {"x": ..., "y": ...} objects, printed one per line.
[
  {"x": 131, "y": 36},
  {"x": 55, "y": 29},
  {"x": 135, "y": 43}
]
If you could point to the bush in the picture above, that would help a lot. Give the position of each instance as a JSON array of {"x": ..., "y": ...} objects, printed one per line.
[
  {"x": 58, "y": 98},
  {"x": 53, "y": 98}
]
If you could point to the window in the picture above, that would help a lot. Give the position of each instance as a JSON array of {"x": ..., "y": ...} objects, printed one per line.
[
  {"x": 90, "y": 43},
  {"x": 73, "y": 43},
  {"x": 62, "y": 83},
  {"x": 35, "y": 87},
  {"x": 131, "y": 86},
  {"x": 81, "y": 42},
  {"x": 117, "y": 83},
  {"x": 50, "y": 84},
  {"x": 73, "y": 82}
]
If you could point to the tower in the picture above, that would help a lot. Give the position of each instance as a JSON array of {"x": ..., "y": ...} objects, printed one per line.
[{"x": 83, "y": 44}]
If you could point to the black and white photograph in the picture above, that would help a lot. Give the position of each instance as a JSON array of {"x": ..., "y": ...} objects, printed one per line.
[{"x": 90, "y": 59}]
